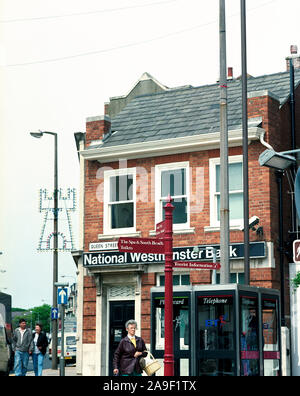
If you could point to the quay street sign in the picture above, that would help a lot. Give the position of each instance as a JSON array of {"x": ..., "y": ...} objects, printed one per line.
[{"x": 186, "y": 253}]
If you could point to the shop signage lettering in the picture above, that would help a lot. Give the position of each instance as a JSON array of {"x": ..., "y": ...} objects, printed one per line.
[
  {"x": 175, "y": 302},
  {"x": 214, "y": 301},
  {"x": 257, "y": 250}
]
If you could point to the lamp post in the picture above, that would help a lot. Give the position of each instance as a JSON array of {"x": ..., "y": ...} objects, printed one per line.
[
  {"x": 55, "y": 245},
  {"x": 280, "y": 162}
]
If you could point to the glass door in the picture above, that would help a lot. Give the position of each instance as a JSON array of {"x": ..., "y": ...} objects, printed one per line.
[
  {"x": 249, "y": 336},
  {"x": 181, "y": 330},
  {"x": 215, "y": 334},
  {"x": 271, "y": 336}
]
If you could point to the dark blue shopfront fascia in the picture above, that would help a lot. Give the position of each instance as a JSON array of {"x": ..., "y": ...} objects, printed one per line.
[{"x": 202, "y": 253}]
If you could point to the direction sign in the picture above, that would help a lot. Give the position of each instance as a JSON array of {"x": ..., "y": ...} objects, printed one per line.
[
  {"x": 62, "y": 295},
  {"x": 296, "y": 251},
  {"x": 160, "y": 229},
  {"x": 54, "y": 313},
  {"x": 141, "y": 245},
  {"x": 197, "y": 265}
]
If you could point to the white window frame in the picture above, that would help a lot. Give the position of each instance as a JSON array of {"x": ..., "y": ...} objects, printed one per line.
[
  {"x": 106, "y": 202},
  {"x": 158, "y": 207},
  {"x": 213, "y": 162}
]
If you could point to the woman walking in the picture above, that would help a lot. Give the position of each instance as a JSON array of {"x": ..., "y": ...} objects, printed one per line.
[
  {"x": 40, "y": 342},
  {"x": 129, "y": 351}
]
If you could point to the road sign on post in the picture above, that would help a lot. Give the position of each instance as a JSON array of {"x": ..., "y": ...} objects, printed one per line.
[
  {"x": 62, "y": 295},
  {"x": 54, "y": 313},
  {"x": 141, "y": 245},
  {"x": 160, "y": 229},
  {"x": 197, "y": 265},
  {"x": 296, "y": 251}
]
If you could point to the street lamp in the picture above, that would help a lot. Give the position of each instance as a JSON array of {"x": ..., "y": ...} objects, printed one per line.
[
  {"x": 38, "y": 135},
  {"x": 279, "y": 161}
]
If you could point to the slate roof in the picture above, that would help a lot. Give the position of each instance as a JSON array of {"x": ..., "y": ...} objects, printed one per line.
[{"x": 189, "y": 110}]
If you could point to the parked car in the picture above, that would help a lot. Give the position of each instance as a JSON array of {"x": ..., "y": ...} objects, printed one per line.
[
  {"x": 70, "y": 347},
  {"x": 6, "y": 355}
]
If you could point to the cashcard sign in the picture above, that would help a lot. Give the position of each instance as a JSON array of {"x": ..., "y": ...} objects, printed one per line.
[{"x": 202, "y": 253}]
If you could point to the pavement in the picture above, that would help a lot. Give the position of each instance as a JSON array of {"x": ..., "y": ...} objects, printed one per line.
[
  {"x": 69, "y": 372},
  {"x": 48, "y": 372}
]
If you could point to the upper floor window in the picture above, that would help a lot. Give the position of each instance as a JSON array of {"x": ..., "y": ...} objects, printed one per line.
[
  {"x": 173, "y": 179},
  {"x": 235, "y": 175},
  {"x": 119, "y": 200}
]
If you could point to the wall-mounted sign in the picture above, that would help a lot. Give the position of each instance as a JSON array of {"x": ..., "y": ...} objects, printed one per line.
[
  {"x": 96, "y": 246},
  {"x": 187, "y": 253}
]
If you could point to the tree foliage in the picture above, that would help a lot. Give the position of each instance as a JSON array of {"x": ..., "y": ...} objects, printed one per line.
[
  {"x": 35, "y": 315},
  {"x": 296, "y": 281}
]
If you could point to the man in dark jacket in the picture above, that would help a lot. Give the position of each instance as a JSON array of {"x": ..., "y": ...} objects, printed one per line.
[{"x": 129, "y": 352}]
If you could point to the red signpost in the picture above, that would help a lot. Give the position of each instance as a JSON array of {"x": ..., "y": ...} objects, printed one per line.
[
  {"x": 169, "y": 349},
  {"x": 163, "y": 244}
]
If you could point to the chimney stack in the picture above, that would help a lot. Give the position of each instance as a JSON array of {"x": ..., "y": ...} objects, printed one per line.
[
  {"x": 96, "y": 128},
  {"x": 294, "y": 56}
]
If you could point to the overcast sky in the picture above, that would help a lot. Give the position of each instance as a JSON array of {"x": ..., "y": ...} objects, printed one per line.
[{"x": 61, "y": 60}]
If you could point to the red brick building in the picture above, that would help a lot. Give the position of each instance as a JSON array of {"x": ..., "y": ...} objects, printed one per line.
[{"x": 157, "y": 141}]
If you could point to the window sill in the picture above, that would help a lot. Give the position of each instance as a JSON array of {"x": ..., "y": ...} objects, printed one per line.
[
  {"x": 177, "y": 232},
  {"x": 217, "y": 228},
  {"x": 125, "y": 234}
]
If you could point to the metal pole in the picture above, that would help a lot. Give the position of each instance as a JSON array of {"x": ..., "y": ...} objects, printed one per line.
[
  {"x": 214, "y": 273},
  {"x": 224, "y": 191},
  {"x": 279, "y": 175},
  {"x": 62, "y": 352},
  {"x": 293, "y": 139},
  {"x": 245, "y": 144},
  {"x": 55, "y": 256},
  {"x": 169, "y": 347}
]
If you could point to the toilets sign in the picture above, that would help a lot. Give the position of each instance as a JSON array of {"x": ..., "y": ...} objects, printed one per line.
[{"x": 187, "y": 253}]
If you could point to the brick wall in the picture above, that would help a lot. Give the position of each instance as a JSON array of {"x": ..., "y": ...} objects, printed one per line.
[
  {"x": 89, "y": 310},
  {"x": 262, "y": 203}
]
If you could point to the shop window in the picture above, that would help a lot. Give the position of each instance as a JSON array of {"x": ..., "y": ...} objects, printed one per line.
[
  {"x": 235, "y": 277},
  {"x": 178, "y": 280}
]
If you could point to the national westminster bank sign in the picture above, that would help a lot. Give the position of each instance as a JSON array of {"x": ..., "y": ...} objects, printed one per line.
[{"x": 99, "y": 257}]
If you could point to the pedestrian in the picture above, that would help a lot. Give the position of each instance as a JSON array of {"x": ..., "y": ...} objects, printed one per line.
[
  {"x": 40, "y": 342},
  {"x": 22, "y": 345},
  {"x": 129, "y": 351}
]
